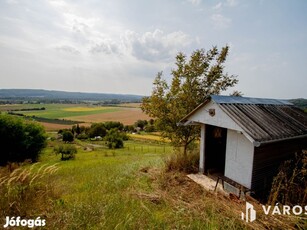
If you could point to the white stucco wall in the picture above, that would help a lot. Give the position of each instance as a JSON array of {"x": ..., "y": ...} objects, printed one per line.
[{"x": 239, "y": 158}]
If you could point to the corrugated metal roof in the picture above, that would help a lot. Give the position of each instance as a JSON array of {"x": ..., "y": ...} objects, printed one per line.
[
  {"x": 265, "y": 119},
  {"x": 248, "y": 100}
]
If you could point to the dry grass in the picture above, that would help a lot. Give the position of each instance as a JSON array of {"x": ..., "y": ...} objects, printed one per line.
[
  {"x": 290, "y": 185},
  {"x": 181, "y": 163},
  {"x": 26, "y": 191},
  {"x": 185, "y": 198},
  {"x": 148, "y": 137},
  {"x": 209, "y": 210}
]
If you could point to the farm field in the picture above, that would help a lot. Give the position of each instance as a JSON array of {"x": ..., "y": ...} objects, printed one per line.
[
  {"x": 125, "y": 113},
  {"x": 63, "y": 111},
  {"x": 148, "y": 137},
  {"x": 29, "y": 106}
]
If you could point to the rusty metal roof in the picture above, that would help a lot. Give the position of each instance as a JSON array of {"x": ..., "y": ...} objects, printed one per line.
[{"x": 265, "y": 119}]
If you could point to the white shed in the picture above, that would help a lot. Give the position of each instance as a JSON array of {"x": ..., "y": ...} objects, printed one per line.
[{"x": 246, "y": 139}]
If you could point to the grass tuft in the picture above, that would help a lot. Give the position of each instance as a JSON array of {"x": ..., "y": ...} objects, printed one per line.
[
  {"x": 182, "y": 163},
  {"x": 25, "y": 192}
]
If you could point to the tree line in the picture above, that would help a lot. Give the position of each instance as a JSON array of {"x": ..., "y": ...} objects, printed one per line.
[{"x": 20, "y": 139}]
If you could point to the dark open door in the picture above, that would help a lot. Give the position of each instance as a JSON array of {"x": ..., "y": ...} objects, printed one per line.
[{"x": 215, "y": 149}]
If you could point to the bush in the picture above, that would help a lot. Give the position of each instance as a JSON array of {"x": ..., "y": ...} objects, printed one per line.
[
  {"x": 20, "y": 139},
  {"x": 114, "y": 139},
  {"x": 97, "y": 129},
  {"x": 114, "y": 125},
  {"x": 129, "y": 128},
  {"x": 82, "y": 136},
  {"x": 68, "y": 136},
  {"x": 150, "y": 128},
  {"x": 177, "y": 161},
  {"x": 141, "y": 124},
  {"x": 67, "y": 151},
  {"x": 289, "y": 186}
]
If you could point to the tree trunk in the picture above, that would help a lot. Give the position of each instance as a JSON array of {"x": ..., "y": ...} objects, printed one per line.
[{"x": 185, "y": 149}]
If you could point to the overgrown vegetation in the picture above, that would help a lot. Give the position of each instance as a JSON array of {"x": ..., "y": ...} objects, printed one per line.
[
  {"x": 67, "y": 151},
  {"x": 182, "y": 163},
  {"x": 290, "y": 185},
  {"x": 20, "y": 139},
  {"x": 27, "y": 191}
]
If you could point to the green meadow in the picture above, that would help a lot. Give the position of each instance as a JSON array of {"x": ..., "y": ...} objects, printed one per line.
[
  {"x": 58, "y": 111},
  {"x": 108, "y": 189}
]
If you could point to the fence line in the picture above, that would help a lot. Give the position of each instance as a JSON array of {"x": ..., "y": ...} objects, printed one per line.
[{"x": 148, "y": 149}]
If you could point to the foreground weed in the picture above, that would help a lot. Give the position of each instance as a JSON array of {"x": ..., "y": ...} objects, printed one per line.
[{"x": 25, "y": 191}]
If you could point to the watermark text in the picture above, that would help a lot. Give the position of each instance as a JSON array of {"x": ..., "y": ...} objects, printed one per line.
[{"x": 30, "y": 223}]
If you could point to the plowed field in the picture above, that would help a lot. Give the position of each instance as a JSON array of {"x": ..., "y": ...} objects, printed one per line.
[{"x": 125, "y": 115}]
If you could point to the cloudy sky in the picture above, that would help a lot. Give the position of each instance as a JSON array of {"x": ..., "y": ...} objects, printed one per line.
[{"x": 119, "y": 46}]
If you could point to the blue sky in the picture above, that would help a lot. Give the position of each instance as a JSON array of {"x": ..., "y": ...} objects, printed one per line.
[{"x": 119, "y": 46}]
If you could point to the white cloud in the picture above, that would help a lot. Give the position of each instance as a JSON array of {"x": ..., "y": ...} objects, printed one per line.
[
  {"x": 231, "y": 3},
  {"x": 220, "y": 21},
  {"x": 12, "y": 2},
  {"x": 228, "y": 3},
  {"x": 218, "y": 6},
  {"x": 67, "y": 49},
  {"x": 156, "y": 45},
  {"x": 98, "y": 45},
  {"x": 105, "y": 47},
  {"x": 195, "y": 2}
]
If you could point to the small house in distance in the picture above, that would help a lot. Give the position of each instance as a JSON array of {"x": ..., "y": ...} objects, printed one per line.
[{"x": 246, "y": 139}]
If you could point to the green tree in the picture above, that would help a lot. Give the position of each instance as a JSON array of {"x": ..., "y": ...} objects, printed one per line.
[
  {"x": 192, "y": 82},
  {"x": 114, "y": 124},
  {"x": 141, "y": 124},
  {"x": 97, "y": 129},
  {"x": 67, "y": 151},
  {"x": 114, "y": 139},
  {"x": 68, "y": 136},
  {"x": 20, "y": 139},
  {"x": 129, "y": 128},
  {"x": 76, "y": 129}
]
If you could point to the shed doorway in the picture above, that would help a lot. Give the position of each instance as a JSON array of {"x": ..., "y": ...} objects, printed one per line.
[{"x": 215, "y": 150}]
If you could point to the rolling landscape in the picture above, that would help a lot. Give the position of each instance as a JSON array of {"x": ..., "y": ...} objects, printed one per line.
[
  {"x": 149, "y": 115},
  {"x": 128, "y": 187},
  {"x": 71, "y": 108}
]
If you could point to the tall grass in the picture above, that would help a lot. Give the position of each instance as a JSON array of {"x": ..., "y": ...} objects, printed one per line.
[
  {"x": 177, "y": 161},
  {"x": 290, "y": 185},
  {"x": 27, "y": 190}
]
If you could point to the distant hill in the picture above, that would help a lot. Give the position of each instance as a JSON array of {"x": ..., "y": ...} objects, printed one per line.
[
  {"x": 39, "y": 94},
  {"x": 300, "y": 102}
]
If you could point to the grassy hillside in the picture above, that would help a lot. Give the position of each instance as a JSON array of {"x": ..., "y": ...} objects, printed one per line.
[{"x": 118, "y": 189}]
